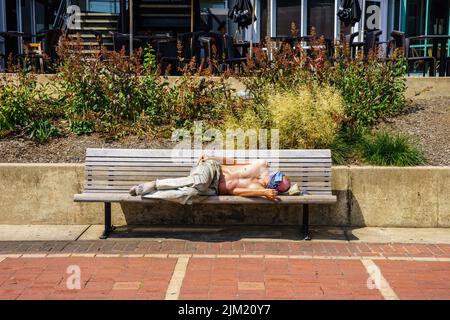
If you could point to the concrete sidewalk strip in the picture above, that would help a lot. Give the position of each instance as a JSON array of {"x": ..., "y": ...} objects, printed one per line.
[
  {"x": 40, "y": 232},
  {"x": 399, "y": 235},
  {"x": 328, "y": 235},
  {"x": 378, "y": 280},
  {"x": 173, "y": 291}
]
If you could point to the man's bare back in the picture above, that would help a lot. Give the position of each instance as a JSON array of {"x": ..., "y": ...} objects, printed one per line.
[{"x": 247, "y": 180}]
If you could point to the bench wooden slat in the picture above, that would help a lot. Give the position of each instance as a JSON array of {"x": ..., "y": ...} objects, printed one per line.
[
  {"x": 124, "y": 189},
  {"x": 102, "y": 169},
  {"x": 191, "y": 161},
  {"x": 125, "y": 193},
  {"x": 121, "y": 197},
  {"x": 128, "y": 184},
  {"x": 140, "y": 175},
  {"x": 120, "y": 166},
  {"x": 134, "y": 179},
  {"x": 168, "y": 153}
]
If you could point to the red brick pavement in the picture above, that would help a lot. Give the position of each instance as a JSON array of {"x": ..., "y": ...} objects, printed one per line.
[
  {"x": 417, "y": 279},
  {"x": 101, "y": 278},
  {"x": 256, "y": 270},
  {"x": 259, "y": 278}
]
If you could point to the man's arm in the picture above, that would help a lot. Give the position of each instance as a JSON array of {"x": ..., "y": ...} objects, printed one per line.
[{"x": 249, "y": 192}]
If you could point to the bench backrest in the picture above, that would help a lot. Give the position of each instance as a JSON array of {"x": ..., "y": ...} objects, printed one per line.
[{"x": 116, "y": 170}]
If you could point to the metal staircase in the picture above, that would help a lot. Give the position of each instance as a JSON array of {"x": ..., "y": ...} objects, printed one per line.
[
  {"x": 94, "y": 26},
  {"x": 93, "y": 29}
]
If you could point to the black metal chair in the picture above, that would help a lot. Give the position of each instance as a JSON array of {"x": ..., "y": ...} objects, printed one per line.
[
  {"x": 185, "y": 41},
  {"x": 167, "y": 55},
  {"x": 371, "y": 42},
  {"x": 213, "y": 45},
  {"x": 232, "y": 56},
  {"x": 416, "y": 60},
  {"x": 122, "y": 40},
  {"x": 10, "y": 37}
]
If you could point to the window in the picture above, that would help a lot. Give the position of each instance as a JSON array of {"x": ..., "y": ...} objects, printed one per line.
[
  {"x": 396, "y": 15},
  {"x": 321, "y": 17},
  {"x": 415, "y": 18},
  {"x": 107, "y": 6},
  {"x": 438, "y": 16},
  {"x": 287, "y": 12}
]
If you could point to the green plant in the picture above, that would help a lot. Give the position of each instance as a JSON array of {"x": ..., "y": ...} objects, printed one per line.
[
  {"x": 344, "y": 147},
  {"x": 150, "y": 62},
  {"x": 198, "y": 98},
  {"x": 386, "y": 149},
  {"x": 80, "y": 127},
  {"x": 42, "y": 130},
  {"x": 307, "y": 117},
  {"x": 110, "y": 88},
  {"x": 370, "y": 88},
  {"x": 17, "y": 99}
]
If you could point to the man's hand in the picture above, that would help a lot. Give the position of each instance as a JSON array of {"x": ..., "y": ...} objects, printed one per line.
[{"x": 271, "y": 194}]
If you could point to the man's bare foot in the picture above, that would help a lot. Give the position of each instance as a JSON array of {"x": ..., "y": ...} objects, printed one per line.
[{"x": 143, "y": 188}]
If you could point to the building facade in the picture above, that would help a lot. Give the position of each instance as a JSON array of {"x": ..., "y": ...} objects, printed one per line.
[{"x": 274, "y": 17}]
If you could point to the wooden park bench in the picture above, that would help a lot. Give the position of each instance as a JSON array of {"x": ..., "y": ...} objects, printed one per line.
[{"x": 110, "y": 173}]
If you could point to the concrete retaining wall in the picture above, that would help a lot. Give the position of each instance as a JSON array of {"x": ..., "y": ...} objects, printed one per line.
[
  {"x": 416, "y": 87},
  {"x": 367, "y": 196}
]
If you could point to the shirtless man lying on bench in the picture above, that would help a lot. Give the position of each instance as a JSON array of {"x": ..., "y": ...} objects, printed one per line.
[{"x": 210, "y": 177}]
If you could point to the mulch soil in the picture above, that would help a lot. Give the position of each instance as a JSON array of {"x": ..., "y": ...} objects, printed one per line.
[{"x": 427, "y": 122}]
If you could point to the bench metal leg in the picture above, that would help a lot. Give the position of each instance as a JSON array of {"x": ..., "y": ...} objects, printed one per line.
[
  {"x": 108, "y": 226},
  {"x": 305, "y": 226}
]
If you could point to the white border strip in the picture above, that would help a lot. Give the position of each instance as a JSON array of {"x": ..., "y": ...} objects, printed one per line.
[
  {"x": 174, "y": 288},
  {"x": 384, "y": 287},
  {"x": 242, "y": 256}
]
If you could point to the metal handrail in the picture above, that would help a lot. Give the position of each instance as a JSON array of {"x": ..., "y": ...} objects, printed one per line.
[{"x": 61, "y": 15}]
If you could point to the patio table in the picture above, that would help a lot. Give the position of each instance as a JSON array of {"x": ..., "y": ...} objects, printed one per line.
[{"x": 437, "y": 40}]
